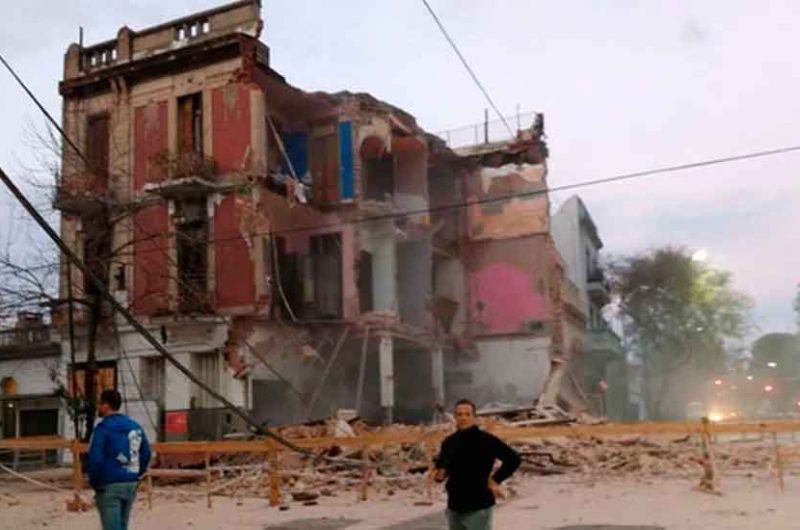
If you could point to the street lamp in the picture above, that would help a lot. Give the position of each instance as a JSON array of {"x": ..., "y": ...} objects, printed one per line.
[
  {"x": 768, "y": 388},
  {"x": 772, "y": 364}
]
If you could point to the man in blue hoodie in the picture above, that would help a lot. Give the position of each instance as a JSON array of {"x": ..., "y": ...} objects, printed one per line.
[{"x": 118, "y": 457}]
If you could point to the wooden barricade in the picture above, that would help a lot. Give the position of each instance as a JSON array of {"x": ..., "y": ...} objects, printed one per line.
[{"x": 271, "y": 451}]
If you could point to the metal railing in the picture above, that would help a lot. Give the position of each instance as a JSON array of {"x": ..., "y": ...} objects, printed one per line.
[
  {"x": 482, "y": 132},
  {"x": 25, "y": 336}
]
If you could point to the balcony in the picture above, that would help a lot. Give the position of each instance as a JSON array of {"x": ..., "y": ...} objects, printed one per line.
[
  {"x": 603, "y": 342},
  {"x": 34, "y": 341},
  {"x": 597, "y": 285}
]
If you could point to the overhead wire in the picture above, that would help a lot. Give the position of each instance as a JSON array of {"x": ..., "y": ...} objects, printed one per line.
[
  {"x": 519, "y": 195},
  {"x": 467, "y": 66},
  {"x": 109, "y": 297}
]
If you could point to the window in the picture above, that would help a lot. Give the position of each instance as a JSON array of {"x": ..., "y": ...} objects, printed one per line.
[
  {"x": 97, "y": 139},
  {"x": 379, "y": 178},
  {"x": 365, "y": 297},
  {"x": 191, "y": 233},
  {"x": 190, "y": 124},
  {"x": 206, "y": 367},
  {"x": 326, "y": 257},
  {"x": 152, "y": 377},
  {"x": 311, "y": 284},
  {"x": 105, "y": 378}
]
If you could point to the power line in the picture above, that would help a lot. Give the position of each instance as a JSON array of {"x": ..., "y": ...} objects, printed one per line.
[
  {"x": 519, "y": 195},
  {"x": 467, "y": 66},
  {"x": 103, "y": 289},
  {"x": 134, "y": 322},
  {"x": 158, "y": 248},
  {"x": 43, "y": 109}
]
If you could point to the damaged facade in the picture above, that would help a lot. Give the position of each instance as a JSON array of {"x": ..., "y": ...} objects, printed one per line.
[{"x": 296, "y": 249}]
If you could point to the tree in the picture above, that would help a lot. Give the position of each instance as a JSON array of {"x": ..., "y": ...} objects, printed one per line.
[
  {"x": 782, "y": 349},
  {"x": 796, "y": 306},
  {"x": 66, "y": 184},
  {"x": 681, "y": 317}
]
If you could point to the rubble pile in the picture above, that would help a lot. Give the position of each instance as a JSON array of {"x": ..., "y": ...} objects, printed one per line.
[
  {"x": 641, "y": 456},
  {"x": 342, "y": 468}
]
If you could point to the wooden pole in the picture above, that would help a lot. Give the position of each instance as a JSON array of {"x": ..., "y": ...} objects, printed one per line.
[
  {"x": 709, "y": 481},
  {"x": 274, "y": 476},
  {"x": 77, "y": 471},
  {"x": 778, "y": 460},
  {"x": 365, "y": 473},
  {"x": 362, "y": 371},
  {"x": 267, "y": 474},
  {"x": 207, "y": 458},
  {"x": 430, "y": 449},
  {"x": 149, "y": 491}
]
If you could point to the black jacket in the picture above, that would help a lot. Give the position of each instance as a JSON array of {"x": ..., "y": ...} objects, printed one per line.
[{"x": 468, "y": 456}]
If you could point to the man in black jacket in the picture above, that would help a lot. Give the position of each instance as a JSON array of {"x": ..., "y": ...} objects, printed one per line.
[{"x": 466, "y": 461}]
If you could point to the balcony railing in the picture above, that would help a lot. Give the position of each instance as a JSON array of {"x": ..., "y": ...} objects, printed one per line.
[
  {"x": 31, "y": 336},
  {"x": 602, "y": 340}
]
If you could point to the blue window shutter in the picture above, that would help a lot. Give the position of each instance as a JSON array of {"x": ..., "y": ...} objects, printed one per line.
[
  {"x": 346, "y": 186},
  {"x": 296, "y": 145}
]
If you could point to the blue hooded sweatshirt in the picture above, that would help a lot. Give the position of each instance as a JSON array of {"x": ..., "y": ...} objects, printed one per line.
[{"x": 118, "y": 451}]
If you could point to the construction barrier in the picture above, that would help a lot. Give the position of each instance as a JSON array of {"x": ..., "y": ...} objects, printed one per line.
[{"x": 271, "y": 450}]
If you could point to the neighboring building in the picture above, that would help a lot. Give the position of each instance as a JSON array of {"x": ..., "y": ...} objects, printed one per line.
[
  {"x": 30, "y": 363},
  {"x": 578, "y": 243},
  {"x": 252, "y": 227}
]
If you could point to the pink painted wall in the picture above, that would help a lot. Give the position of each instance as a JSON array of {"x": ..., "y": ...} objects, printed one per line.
[{"x": 503, "y": 298}]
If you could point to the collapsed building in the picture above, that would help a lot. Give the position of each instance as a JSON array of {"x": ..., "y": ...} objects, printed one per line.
[{"x": 301, "y": 252}]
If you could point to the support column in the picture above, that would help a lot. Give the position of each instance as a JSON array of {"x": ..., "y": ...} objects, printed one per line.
[
  {"x": 437, "y": 373},
  {"x": 386, "y": 365}
]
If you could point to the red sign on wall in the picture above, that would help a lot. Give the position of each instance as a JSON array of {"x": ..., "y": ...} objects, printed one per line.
[{"x": 177, "y": 422}]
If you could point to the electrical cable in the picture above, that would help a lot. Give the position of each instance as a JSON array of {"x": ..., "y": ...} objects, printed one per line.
[
  {"x": 522, "y": 195},
  {"x": 467, "y": 66}
]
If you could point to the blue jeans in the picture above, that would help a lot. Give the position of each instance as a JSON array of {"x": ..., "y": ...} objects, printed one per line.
[
  {"x": 114, "y": 502},
  {"x": 478, "y": 520}
]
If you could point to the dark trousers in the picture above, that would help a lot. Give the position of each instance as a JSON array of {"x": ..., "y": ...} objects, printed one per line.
[
  {"x": 114, "y": 502},
  {"x": 478, "y": 520}
]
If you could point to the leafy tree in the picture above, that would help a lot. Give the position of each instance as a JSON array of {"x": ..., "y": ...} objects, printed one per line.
[
  {"x": 681, "y": 317},
  {"x": 783, "y": 349}
]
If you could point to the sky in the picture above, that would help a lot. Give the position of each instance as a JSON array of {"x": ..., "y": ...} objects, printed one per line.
[{"x": 624, "y": 86}]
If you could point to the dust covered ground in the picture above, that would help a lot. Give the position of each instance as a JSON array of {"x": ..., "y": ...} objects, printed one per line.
[{"x": 569, "y": 502}]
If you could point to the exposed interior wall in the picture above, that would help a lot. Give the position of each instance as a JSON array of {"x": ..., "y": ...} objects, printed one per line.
[
  {"x": 379, "y": 240},
  {"x": 414, "y": 275},
  {"x": 450, "y": 297},
  {"x": 413, "y": 383},
  {"x": 505, "y": 370},
  {"x": 301, "y": 362},
  {"x": 508, "y": 217},
  {"x": 411, "y": 173},
  {"x": 509, "y": 282}
]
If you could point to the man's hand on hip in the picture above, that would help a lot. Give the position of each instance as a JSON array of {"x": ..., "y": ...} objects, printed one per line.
[{"x": 496, "y": 490}]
